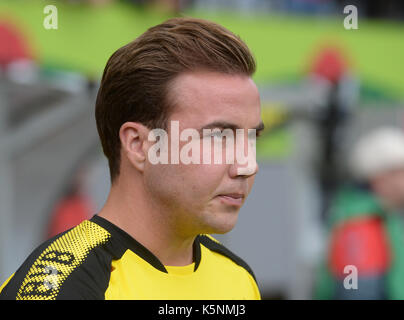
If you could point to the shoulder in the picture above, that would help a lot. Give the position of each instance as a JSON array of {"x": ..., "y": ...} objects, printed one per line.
[
  {"x": 228, "y": 264},
  {"x": 72, "y": 265},
  {"x": 214, "y": 245}
]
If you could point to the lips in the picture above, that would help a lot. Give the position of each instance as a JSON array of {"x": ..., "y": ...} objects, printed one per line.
[
  {"x": 234, "y": 199},
  {"x": 233, "y": 195}
]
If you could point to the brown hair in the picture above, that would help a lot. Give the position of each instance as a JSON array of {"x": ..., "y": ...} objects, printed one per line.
[{"x": 136, "y": 78}]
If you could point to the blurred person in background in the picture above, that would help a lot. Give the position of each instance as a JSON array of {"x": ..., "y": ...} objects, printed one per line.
[
  {"x": 366, "y": 230},
  {"x": 73, "y": 207}
]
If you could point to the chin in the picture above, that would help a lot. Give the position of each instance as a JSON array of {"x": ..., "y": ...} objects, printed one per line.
[{"x": 222, "y": 223}]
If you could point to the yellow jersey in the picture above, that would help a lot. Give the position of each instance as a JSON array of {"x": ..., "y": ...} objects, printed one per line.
[{"x": 98, "y": 260}]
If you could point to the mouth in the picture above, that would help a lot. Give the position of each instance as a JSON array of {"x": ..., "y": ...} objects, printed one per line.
[{"x": 233, "y": 199}]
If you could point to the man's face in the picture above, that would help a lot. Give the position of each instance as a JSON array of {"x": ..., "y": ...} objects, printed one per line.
[
  {"x": 206, "y": 198},
  {"x": 390, "y": 187}
]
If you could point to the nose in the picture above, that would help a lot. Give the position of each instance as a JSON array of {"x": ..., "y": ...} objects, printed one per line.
[
  {"x": 244, "y": 170},
  {"x": 244, "y": 166}
]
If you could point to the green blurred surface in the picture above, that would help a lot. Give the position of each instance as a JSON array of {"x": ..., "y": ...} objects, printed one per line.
[
  {"x": 87, "y": 36},
  {"x": 275, "y": 146}
]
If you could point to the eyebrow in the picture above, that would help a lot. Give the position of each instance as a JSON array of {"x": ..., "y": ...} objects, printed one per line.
[{"x": 228, "y": 125}]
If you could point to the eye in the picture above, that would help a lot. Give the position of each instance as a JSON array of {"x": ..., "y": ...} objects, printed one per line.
[
  {"x": 213, "y": 133},
  {"x": 216, "y": 133}
]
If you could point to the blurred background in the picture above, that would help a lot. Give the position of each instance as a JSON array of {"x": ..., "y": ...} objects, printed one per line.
[{"x": 321, "y": 85}]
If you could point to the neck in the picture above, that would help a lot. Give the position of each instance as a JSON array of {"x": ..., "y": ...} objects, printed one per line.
[{"x": 137, "y": 214}]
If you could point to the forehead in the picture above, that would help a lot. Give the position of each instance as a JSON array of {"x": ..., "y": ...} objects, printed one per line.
[{"x": 201, "y": 97}]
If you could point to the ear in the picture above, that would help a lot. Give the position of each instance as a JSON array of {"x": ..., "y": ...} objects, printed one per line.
[{"x": 133, "y": 136}]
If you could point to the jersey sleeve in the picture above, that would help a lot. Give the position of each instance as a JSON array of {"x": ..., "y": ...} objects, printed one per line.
[{"x": 69, "y": 266}]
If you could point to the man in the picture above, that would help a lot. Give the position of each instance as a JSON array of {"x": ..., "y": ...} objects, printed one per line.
[
  {"x": 150, "y": 239},
  {"x": 365, "y": 256}
]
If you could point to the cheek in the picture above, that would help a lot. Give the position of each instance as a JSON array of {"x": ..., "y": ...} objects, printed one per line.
[
  {"x": 202, "y": 179},
  {"x": 185, "y": 183},
  {"x": 400, "y": 184},
  {"x": 250, "y": 183}
]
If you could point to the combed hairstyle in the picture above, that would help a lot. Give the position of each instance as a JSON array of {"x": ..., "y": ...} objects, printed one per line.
[{"x": 135, "y": 82}]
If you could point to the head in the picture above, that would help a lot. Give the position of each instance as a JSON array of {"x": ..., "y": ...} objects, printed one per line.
[
  {"x": 389, "y": 186},
  {"x": 378, "y": 159},
  {"x": 199, "y": 74}
]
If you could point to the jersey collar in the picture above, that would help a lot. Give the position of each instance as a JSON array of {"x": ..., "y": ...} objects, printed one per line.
[{"x": 135, "y": 246}]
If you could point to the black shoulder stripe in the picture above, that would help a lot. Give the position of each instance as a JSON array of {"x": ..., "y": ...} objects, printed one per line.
[
  {"x": 10, "y": 290},
  {"x": 48, "y": 272},
  {"x": 219, "y": 248}
]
